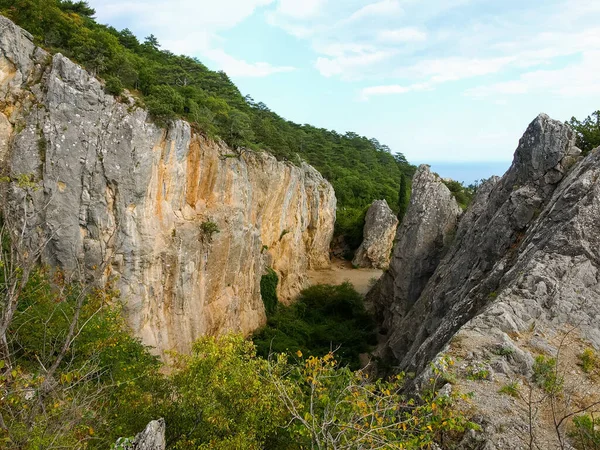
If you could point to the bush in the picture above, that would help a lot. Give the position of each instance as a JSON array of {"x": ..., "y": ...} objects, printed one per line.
[
  {"x": 208, "y": 228},
  {"x": 588, "y": 360},
  {"x": 478, "y": 372},
  {"x": 511, "y": 389},
  {"x": 101, "y": 388},
  {"x": 113, "y": 86},
  {"x": 585, "y": 432},
  {"x": 323, "y": 318},
  {"x": 545, "y": 375},
  {"x": 334, "y": 407},
  {"x": 220, "y": 398}
]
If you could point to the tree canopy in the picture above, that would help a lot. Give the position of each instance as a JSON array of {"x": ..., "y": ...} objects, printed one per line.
[
  {"x": 588, "y": 131},
  {"x": 171, "y": 86}
]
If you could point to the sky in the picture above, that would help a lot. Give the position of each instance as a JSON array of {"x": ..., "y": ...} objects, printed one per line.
[{"x": 442, "y": 81}]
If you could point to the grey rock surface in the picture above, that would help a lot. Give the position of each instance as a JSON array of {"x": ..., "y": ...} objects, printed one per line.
[
  {"x": 422, "y": 239},
  {"x": 378, "y": 237},
  {"x": 511, "y": 219},
  {"x": 152, "y": 438},
  {"x": 520, "y": 275},
  {"x": 123, "y": 199}
]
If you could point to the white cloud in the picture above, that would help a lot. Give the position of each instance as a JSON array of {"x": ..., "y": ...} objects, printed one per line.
[
  {"x": 346, "y": 64},
  {"x": 300, "y": 9},
  {"x": 381, "y": 8},
  {"x": 457, "y": 68},
  {"x": 191, "y": 27},
  {"x": 392, "y": 89},
  {"x": 340, "y": 49},
  {"x": 179, "y": 16},
  {"x": 408, "y": 34},
  {"x": 575, "y": 80},
  {"x": 239, "y": 68}
]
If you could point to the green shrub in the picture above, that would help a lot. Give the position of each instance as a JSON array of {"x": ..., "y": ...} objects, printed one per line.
[
  {"x": 333, "y": 407},
  {"x": 545, "y": 374},
  {"x": 504, "y": 351},
  {"x": 103, "y": 383},
  {"x": 221, "y": 399},
  {"x": 268, "y": 291},
  {"x": 113, "y": 86},
  {"x": 323, "y": 318},
  {"x": 478, "y": 372},
  {"x": 208, "y": 228},
  {"x": 511, "y": 389},
  {"x": 588, "y": 360},
  {"x": 585, "y": 432}
]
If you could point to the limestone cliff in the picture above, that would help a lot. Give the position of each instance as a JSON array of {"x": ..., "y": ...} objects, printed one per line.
[
  {"x": 120, "y": 197},
  {"x": 379, "y": 231}
]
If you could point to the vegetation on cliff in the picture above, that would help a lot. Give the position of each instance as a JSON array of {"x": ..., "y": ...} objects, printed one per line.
[
  {"x": 74, "y": 378},
  {"x": 588, "y": 131},
  {"x": 170, "y": 86}
]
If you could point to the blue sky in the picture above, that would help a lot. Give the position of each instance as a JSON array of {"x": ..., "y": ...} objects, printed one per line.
[{"x": 441, "y": 81}]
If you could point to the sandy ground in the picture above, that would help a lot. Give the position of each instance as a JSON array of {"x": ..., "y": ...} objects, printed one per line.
[{"x": 343, "y": 271}]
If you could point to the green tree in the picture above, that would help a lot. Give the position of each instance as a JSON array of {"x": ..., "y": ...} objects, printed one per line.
[
  {"x": 239, "y": 129},
  {"x": 323, "y": 317},
  {"x": 81, "y": 7},
  {"x": 334, "y": 408},
  {"x": 164, "y": 103},
  {"x": 588, "y": 132},
  {"x": 220, "y": 398},
  {"x": 151, "y": 42},
  {"x": 268, "y": 291}
]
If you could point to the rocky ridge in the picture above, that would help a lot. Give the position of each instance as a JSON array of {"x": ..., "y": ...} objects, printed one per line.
[
  {"x": 421, "y": 240},
  {"x": 491, "y": 241},
  {"x": 185, "y": 225},
  {"x": 379, "y": 231},
  {"x": 520, "y": 279}
]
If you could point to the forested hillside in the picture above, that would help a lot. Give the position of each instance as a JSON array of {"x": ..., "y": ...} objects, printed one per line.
[{"x": 170, "y": 86}]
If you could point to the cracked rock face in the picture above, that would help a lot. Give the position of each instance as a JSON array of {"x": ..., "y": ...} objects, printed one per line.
[
  {"x": 152, "y": 438},
  {"x": 123, "y": 199},
  {"x": 521, "y": 275},
  {"x": 421, "y": 240},
  {"x": 379, "y": 232},
  {"x": 534, "y": 209},
  {"x": 527, "y": 249}
]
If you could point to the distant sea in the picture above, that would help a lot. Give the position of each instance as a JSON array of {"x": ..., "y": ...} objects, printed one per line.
[{"x": 467, "y": 173}]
